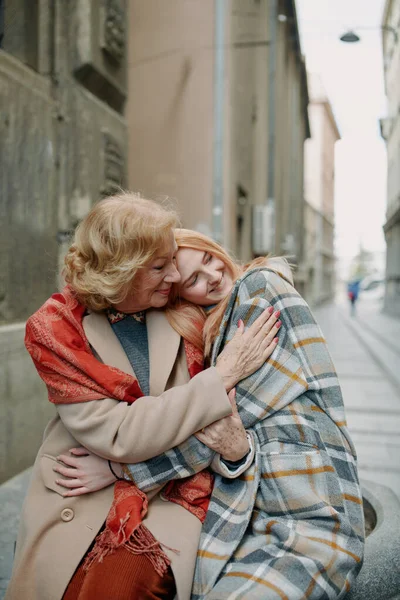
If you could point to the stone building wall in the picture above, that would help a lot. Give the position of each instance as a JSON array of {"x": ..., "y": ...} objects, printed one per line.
[
  {"x": 62, "y": 146},
  {"x": 390, "y": 128}
]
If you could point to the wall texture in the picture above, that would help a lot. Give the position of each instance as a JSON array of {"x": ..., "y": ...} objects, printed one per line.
[{"x": 62, "y": 146}]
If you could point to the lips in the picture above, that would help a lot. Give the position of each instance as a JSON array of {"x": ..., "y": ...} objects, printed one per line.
[{"x": 164, "y": 292}]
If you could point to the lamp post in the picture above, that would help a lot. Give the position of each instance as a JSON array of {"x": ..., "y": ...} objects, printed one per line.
[{"x": 350, "y": 37}]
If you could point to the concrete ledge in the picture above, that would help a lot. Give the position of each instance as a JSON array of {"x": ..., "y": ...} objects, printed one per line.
[
  {"x": 24, "y": 407},
  {"x": 12, "y": 494},
  {"x": 379, "y": 578}
]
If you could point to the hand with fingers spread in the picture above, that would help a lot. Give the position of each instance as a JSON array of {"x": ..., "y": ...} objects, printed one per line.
[
  {"x": 249, "y": 348},
  {"x": 227, "y": 436},
  {"x": 84, "y": 472}
]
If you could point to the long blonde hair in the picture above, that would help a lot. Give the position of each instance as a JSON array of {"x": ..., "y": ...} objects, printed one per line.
[{"x": 189, "y": 320}]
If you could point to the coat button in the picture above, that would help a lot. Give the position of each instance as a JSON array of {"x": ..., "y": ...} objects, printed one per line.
[{"x": 67, "y": 514}]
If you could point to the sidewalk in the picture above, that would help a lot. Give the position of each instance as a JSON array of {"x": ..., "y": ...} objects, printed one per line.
[
  {"x": 366, "y": 353},
  {"x": 12, "y": 494}
]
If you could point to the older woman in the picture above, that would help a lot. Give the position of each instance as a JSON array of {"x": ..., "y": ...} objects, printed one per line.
[
  {"x": 118, "y": 375},
  {"x": 292, "y": 526}
]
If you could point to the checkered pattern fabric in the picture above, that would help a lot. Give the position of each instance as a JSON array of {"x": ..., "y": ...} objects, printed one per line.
[{"x": 291, "y": 527}]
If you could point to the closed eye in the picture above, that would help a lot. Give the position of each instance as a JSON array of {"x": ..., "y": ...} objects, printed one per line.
[{"x": 193, "y": 281}]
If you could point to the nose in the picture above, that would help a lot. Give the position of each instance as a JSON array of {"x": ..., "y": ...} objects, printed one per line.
[
  {"x": 213, "y": 276},
  {"x": 173, "y": 275}
]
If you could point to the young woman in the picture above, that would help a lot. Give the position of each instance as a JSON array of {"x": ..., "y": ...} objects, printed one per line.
[
  {"x": 128, "y": 387},
  {"x": 292, "y": 525}
]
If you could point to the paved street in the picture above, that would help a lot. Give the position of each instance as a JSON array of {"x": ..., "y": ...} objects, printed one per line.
[{"x": 366, "y": 353}]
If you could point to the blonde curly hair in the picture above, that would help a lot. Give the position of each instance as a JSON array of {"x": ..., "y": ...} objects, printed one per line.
[{"x": 120, "y": 235}]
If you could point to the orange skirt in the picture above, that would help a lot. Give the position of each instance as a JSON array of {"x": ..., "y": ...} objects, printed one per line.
[{"x": 121, "y": 576}]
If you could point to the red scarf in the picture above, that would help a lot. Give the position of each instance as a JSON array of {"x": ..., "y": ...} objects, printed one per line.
[{"x": 57, "y": 343}]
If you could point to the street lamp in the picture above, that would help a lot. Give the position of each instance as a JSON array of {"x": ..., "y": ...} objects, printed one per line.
[{"x": 351, "y": 37}]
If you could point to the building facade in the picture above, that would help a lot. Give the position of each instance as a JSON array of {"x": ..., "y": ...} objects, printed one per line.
[
  {"x": 217, "y": 118},
  {"x": 206, "y": 105},
  {"x": 319, "y": 193},
  {"x": 390, "y": 128},
  {"x": 62, "y": 145}
]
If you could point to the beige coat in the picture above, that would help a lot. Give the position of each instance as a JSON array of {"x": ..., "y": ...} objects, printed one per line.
[{"x": 55, "y": 532}]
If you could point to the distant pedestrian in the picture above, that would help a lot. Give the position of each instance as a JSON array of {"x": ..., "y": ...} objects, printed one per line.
[{"x": 353, "y": 290}]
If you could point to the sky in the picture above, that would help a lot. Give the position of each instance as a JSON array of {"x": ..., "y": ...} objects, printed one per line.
[{"x": 352, "y": 75}]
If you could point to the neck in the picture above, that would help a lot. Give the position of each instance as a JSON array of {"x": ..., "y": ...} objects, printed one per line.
[{"x": 128, "y": 312}]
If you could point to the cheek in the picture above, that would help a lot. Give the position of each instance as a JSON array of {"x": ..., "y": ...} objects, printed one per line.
[
  {"x": 186, "y": 295},
  {"x": 199, "y": 294},
  {"x": 150, "y": 282},
  {"x": 156, "y": 283},
  {"x": 228, "y": 280},
  {"x": 191, "y": 294}
]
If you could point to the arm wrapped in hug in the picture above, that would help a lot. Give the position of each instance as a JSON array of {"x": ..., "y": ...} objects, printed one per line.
[
  {"x": 180, "y": 462},
  {"x": 293, "y": 525}
]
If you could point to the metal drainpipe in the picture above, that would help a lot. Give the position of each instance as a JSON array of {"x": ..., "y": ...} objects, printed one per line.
[
  {"x": 218, "y": 166},
  {"x": 273, "y": 20}
]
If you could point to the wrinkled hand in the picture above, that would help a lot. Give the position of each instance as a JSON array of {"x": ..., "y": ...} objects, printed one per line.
[
  {"x": 226, "y": 436},
  {"x": 84, "y": 472},
  {"x": 249, "y": 349}
]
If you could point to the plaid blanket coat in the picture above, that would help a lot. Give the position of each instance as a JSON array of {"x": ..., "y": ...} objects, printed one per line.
[{"x": 291, "y": 527}]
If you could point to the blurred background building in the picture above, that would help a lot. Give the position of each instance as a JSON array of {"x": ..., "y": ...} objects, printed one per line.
[
  {"x": 207, "y": 105},
  {"x": 217, "y": 117},
  {"x": 319, "y": 192},
  {"x": 390, "y": 127}
]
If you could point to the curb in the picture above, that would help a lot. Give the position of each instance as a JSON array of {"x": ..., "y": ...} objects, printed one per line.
[{"x": 379, "y": 578}]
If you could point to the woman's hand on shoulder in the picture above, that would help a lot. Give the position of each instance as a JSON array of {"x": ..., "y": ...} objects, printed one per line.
[
  {"x": 84, "y": 472},
  {"x": 249, "y": 348}
]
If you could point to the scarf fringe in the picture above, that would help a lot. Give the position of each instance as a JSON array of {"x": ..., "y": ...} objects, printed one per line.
[{"x": 141, "y": 541}]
